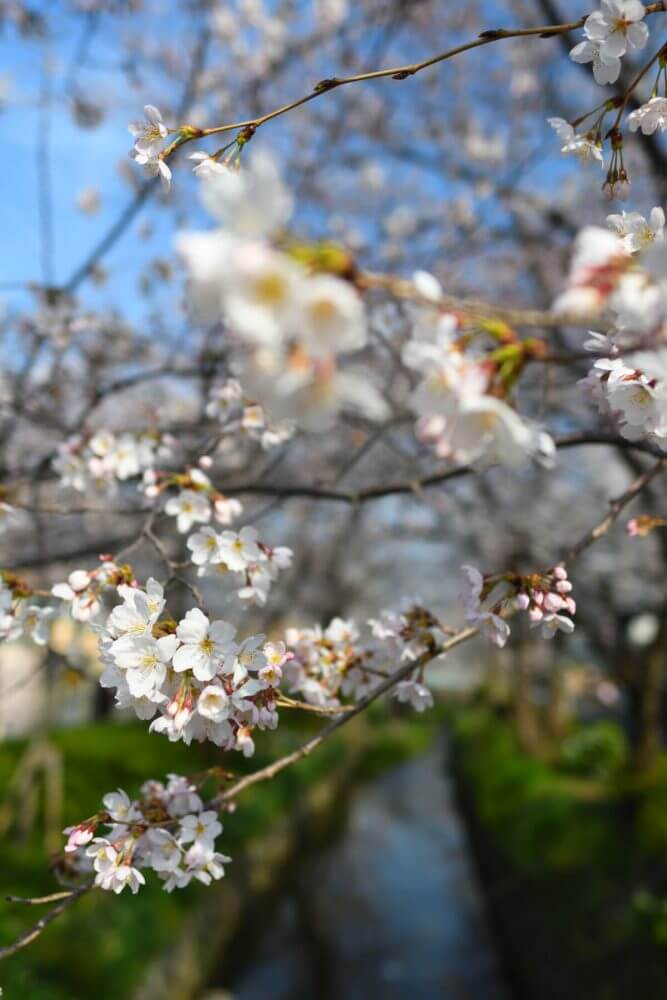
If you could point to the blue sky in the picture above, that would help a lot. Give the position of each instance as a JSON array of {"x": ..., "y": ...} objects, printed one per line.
[{"x": 81, "y": 158}]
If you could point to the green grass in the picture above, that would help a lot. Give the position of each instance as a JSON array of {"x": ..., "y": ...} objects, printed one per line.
[
  {"x": 100, "y": 947},
  {"x": 565, "y": 849}
]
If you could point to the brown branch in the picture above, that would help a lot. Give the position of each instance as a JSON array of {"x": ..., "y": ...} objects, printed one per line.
[
  {"x": 266, "y": 773},
  {"x": 415, "y": 486},
  {"x": 284, "y": 702},
  {"x": 53, "y": 897},
  {"x": 332, "y": 727},
  {"x": 376, "y": 492},
  {"x": 33, "y": 932},
  {"x": 616, "y": 506},
  {"x": 411, "y": 69},
  {"x": 403, "y": 288}
]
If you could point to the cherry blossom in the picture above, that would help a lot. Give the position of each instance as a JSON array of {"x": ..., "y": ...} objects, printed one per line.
[
  {"x": 635, "y": 231},
  {"x": 189, "y": 508},
  {"x": 204, "y": 644},
  {"x": 650, "y": 117},
  {"x": 616, "y": 26},
  {"x": 168, "y": 830},
  {"x": 150, "y": 133},
  {"x": 587, "y": 148}
]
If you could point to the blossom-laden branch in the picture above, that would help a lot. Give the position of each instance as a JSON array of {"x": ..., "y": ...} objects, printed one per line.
[
  {"x": 108, "y": 863},
  {"x": 151, "y": 133},
  {"x": 414, "y": 486}
]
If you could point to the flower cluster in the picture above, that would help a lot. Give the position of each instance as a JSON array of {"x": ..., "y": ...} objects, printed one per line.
[
  {"x": 632, "y": 393},
  {"x": 587, "y": 147},
  {"x": 650, "y": 117},
  {"x": 489, "y": 600},
  {"x": 324, "y": 665},
  {"x": 196, "y": 500},
  {"x": 19, "y": 616},
  {"x": 459, "y": 399},
  {"x": 84, "y": 589},
  {"x": 624, "y": 272},
  {"x": 103, "y": 459},
  {"x": 636, "y": 232},
  {"x": 190, "y": 677},
  {"x": 236, "y": 414},
  {"x": 169, "y": 830},
  {"x": 609, "y": 33},
  {"x": 149, "y": 137},
  {"x": 255, "y": 564},
  {"x": 291, "y": 322},
  {"x": 599, "y": 261}
]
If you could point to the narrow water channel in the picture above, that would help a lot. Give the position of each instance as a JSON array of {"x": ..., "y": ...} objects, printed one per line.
[{"x": 393, "y": 909}]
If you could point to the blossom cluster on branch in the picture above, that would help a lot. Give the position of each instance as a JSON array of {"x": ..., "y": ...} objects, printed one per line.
[{"x": 167, "y": 830}]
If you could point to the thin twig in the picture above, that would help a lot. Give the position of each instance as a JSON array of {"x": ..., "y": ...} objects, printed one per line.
[
  {"x": 406, "y": 71},
  {"x": 616, "y": 506},
  {"x": 33, "y": 932}
]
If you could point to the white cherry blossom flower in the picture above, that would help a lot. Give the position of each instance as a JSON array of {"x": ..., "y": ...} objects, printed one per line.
[
  {"x": 205, "y": 864},
  {"x": 239, "y": 550},
  {"x": 120, "y": 808},
  {"x": 202, "y": 828},
  {"x": 329, "y": 316},
  {"x": 134, "y": 617},
  {"x": 181, "y": 796},
  {"x": 213, "y": 703},
  {"x": 489, "y": 427},
  {"x": 552, "y": 623},
  {"x": 252, "y": 202},
  {"x": 145, "y": 663},
  {"x": 188, "y": 507},
  {"x": 635, "y": 231},
  {"x": 261, "y": 290},
  {"x": 166, "y": 853},
  {"x": 36, "y": 621},
  {"x": 227, "y": 509},
  {"x": 205, "y": 546},
  {"x": 150, "y": 133},
  {"x": 616, "y": 26},
  {"x": 205, "y": 644},
  {"x": 415, "y": 694},
  {"x": 154, "y": 167},
  {"x": 606, "y": 68},
  {"x": 120, "y": 876},
  {"x": 206, "y": 165},
  {"x": 245, "y": 657},
  {"x": 650, "y": 117},
  {"x": 587, "y": 149}
]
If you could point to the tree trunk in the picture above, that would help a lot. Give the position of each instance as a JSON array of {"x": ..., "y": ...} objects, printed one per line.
[{"x": 649, "y": 737}]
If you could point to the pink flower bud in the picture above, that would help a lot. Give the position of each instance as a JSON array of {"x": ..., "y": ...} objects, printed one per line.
[
  {"x": 560, "y": 572},
  {"x": 522, "y": 601},
  {"x": 536, "y": 614},
  {"x": 563, "y": 586},
  {"x": 553, "y": 602},
  {"x": 538, "y": 597},
  {"x": 78, "y": 835},
  {"x": 570, "y": 605}
]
